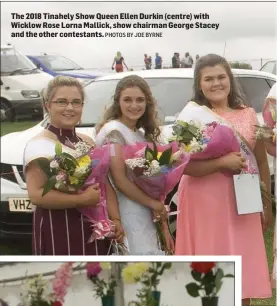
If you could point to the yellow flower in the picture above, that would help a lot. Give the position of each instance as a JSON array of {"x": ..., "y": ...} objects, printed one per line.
[
  {"x": 84, "y": 161},
  {"x": 159, "y": 155},
  {"x": 186, "y": 148},
  {"x": 133, "y": 271},
  {"x": 73, "y": 180},
  {"x": 105, "y": 265}
]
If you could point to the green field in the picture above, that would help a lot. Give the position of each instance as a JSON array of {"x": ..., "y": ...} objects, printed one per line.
[{"x": 20, "y": 126}]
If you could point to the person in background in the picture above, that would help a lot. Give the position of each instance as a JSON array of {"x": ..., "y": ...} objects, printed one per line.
[
  {"x": 208, "y": 222},
  {"x": 146, "y": 62},
  {"x": 150, "y": 61},
  {"x": 271, "y": 150},
  {"x": 158, "y": 61},
  {"x": 187, "y": 61},
  {"x": 175, "y": 60},
  {"x": 119, "y": 62},
  {"x": 196, "y": 58}
]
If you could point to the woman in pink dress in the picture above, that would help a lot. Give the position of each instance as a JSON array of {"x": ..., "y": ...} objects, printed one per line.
[
  {"x": 208, "y": 222},
  {"x": 269, "y": 115}
]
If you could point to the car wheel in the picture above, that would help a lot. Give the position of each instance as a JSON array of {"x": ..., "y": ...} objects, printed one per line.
[
  {"x": 6, "y": 111},
  {"x": 171, "y": 201}
]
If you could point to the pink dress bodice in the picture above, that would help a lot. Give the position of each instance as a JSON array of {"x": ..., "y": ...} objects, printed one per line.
[{"x": 244, "y": 121}]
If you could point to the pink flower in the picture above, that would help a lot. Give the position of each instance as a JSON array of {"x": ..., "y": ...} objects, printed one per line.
[
  {"x": 93, "y": 269},
  {"x": 208, "y": 131},
  {"x": 61, "y": 176},
  {"x": 62, "y": 281}
]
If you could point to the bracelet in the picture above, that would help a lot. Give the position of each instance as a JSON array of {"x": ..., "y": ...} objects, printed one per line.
[{"x": 116, "y": 219}]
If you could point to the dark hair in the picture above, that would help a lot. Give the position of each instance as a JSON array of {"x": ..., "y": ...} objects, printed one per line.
[
  {"x": 149, "y": 120},
  {"x": 236, "y": 99}
]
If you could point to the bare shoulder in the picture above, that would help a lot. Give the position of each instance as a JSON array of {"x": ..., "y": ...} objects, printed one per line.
[{"x": 86, "y": 138}]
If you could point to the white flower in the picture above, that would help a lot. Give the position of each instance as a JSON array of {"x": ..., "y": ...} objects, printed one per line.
[
  {"x": 80, "y": 171},
  {"x": 135, "y": 163},
  {"x": 155, "y": 164},
  {"x": 195, "y": 146},
  {"x": 59, "y": 185},
  {"x": 175, "y": 156},
  {"x": 54, "y": 164},
  {"x": 154, "y": 167}
]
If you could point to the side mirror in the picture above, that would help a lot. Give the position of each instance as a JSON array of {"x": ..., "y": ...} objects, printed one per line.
[{"x": 38, "y": 66}]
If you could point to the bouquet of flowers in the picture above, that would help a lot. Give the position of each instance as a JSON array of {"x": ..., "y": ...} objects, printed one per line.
[
  {"x": 156, "y": 169},
  {"x": 72, "y": 173},
  {"x": 148, "y": 274},
  {"x": 208, "y": 279},
  {"x": 37, "y": 292},
  {"x": 268, "y": 131},
  {"x": 206, "y": 141},
  {"x": 102, "y": 288}
]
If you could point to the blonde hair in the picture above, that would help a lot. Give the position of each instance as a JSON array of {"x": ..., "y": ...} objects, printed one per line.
[{"x": 59, "y": 81}]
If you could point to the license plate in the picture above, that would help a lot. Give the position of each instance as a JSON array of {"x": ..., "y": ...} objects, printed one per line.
[{"x": 20, "y": 205}]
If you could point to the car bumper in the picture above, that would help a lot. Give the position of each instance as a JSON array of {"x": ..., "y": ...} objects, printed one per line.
[
  {"x": 14, "y": 225},
  {"x": 28, "y": 107}
]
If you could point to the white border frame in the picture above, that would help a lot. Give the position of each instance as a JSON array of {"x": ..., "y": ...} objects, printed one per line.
[{"x": 61, "y": 259}]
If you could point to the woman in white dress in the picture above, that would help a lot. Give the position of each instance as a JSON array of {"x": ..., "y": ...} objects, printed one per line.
[{"x": 133, "y": 118}]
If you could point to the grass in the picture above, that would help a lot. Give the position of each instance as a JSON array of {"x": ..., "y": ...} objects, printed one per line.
[
  {"x": 13, "y": 249},
  {"x": 268, "y": 236},
  {"x": 9, "y": 127}
]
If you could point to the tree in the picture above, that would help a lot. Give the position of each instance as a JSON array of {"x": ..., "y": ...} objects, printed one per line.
[{"x": 238, "y": 65}]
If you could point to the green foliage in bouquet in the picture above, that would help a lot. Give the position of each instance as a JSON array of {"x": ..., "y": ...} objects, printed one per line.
[
  {"x": 184, "y": 132},
  {"x": 65, "y": 172},
  {"x": 163, "y": 158}
]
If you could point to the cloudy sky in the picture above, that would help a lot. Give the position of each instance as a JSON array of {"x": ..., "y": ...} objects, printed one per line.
[{"x": 248, "y": 29}]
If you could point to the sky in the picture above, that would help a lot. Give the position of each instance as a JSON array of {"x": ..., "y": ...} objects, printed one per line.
[{"x": 247, "y": 32}]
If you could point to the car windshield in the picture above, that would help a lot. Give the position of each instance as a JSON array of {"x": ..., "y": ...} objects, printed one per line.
[
  {"x": 12, "y": 61},
  {"x": 171, "y": 95},
  {"x": 58, "y": 63}
]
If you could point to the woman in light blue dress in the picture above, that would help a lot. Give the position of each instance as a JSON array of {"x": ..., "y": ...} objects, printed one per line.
[{"x": 130, "y": 119}]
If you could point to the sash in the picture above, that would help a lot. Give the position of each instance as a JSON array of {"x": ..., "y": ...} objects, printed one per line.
[
  {"x": 195, "y": 113},
  {"x": 129, "y": 136},
  {"x": 41, "y": 147}
]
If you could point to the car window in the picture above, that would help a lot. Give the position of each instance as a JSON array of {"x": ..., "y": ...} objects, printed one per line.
[
  {"x": 271, "y": 82},
  {"x": 255, "y": 90},
  {"x": 58, "y": 63},
  {"x": 269, "y": 67},
  {"x": 171, "y": 95}
]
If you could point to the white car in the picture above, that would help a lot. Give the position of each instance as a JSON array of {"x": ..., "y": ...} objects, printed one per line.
[
  {"x": 270, "y": 67},
  {"x": 172, "y": 88},
  {"x": 21, "y": 85}
]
